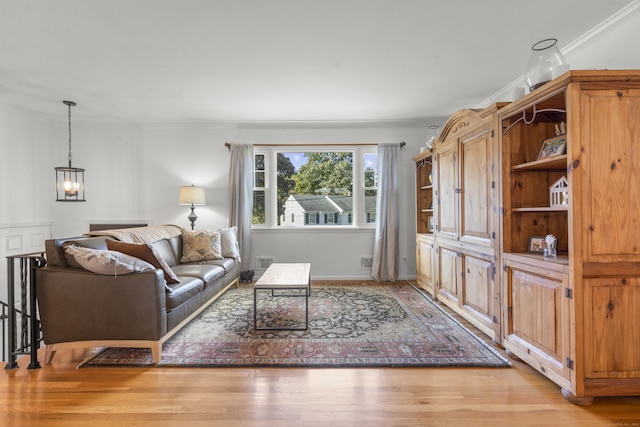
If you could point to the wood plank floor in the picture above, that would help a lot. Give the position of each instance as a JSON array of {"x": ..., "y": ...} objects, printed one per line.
[{"x": 61, "y": 395}]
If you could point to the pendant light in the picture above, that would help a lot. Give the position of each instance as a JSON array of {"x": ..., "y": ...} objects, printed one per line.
[{"x": 69, "y": 180}]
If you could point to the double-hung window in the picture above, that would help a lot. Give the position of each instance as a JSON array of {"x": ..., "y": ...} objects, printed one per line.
[{"x": 314, "y": 186}]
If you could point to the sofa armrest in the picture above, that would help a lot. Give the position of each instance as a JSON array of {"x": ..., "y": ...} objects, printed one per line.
[{"x": 78, "y": 305}]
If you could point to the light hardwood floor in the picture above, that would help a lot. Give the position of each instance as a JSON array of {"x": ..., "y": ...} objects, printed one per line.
[{"x": 61, "y": 395}]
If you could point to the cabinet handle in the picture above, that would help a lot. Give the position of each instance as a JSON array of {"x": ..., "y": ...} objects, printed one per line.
[{"x": 458, "y": 190}]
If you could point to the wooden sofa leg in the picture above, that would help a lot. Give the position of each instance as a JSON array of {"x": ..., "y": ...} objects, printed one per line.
[
  {"x": 49, "y": 352},
  {"x": 156, "y": 351}
]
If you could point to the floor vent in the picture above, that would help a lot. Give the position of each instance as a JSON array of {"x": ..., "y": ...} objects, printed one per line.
[
  {"x": 366, "y": 262},
  {"x": 263, "y": 262}
]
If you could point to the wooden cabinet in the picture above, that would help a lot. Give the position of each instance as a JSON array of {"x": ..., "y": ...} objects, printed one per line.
[
  {"x": 466, "y": 218},
  {"x": 574, "y": 318}
]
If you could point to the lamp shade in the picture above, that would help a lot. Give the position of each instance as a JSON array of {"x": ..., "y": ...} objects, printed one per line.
[{"x": 192, "y": 195}]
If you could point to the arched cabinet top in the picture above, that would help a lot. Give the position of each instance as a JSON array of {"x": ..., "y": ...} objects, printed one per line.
[{"x": 463, "y": 120}]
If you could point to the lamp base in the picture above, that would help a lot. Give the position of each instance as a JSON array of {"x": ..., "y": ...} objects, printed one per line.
[{"x": 192, "y": 217}]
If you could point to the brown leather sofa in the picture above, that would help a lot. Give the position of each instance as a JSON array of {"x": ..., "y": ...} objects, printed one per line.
[{"x": 80, "y": 309}]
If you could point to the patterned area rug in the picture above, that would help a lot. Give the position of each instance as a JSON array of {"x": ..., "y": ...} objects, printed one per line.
[{"x": 355, "y": 325}]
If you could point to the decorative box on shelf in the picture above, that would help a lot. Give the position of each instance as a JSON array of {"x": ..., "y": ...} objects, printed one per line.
[{"x": 559, "y": 193}]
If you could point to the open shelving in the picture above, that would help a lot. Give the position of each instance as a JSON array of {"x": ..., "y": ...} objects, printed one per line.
[{"x": 527, "y": 178}]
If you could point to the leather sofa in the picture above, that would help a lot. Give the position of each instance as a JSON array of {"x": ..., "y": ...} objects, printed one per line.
[{"x": 81, "y": 308}]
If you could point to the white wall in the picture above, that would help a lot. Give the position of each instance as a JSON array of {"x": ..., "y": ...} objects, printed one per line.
[{"x": 26, "y": 166}]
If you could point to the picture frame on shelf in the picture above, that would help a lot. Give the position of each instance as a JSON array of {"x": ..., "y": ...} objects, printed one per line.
[
  {"x": 430, "y": 224},
  {"x": 536, "y": 244},
  {"x": 552, "y": 147}
]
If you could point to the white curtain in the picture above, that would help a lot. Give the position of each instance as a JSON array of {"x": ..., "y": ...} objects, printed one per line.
[
  {"x": 241, "y": 198},
  {"x": 385, "y": 245}
]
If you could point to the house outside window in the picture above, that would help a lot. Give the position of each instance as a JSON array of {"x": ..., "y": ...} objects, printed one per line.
[{"x": 315, "y": 187}]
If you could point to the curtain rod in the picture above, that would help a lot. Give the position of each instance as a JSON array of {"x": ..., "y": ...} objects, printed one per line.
[{"x": 228, "y": 145}]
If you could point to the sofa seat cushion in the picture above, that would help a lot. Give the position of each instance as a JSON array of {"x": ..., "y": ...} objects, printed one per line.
[
  {"x": 183, "y": 291},
  {"x": 208, "y": 273},
  {"x": 228, "y": 264}
]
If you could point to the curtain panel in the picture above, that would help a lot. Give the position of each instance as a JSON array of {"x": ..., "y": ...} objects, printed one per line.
[
  {"x": 386, "y": 240},
  {"x": 241, "y": 198}
]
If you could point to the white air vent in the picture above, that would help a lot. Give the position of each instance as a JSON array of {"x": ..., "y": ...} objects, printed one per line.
[
  {"x": 366, "y": 262},
  {"x": 263, "y": 262}
]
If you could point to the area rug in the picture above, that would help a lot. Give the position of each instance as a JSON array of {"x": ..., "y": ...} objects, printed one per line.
[{"x": 354, "y": 325}]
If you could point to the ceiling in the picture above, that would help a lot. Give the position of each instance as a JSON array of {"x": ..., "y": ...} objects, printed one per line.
[{"x": 163, "y": 61}]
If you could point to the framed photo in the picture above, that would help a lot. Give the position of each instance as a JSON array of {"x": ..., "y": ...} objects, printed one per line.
[
  {"x": 536, "y": 244},
  {"x": 553, "y": 147},
  {"x": 430, "y": 224}
]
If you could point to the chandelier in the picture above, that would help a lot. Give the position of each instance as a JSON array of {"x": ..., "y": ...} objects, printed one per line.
[{"x": 69, "y": 180}]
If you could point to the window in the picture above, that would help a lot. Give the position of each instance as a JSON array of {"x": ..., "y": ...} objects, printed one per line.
[
  {"x": 259, "y": 188},
  {"x": 320, "y": 186},
  {"x": 370, "y": 185}
]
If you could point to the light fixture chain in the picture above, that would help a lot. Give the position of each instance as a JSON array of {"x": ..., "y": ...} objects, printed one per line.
[{"x": 69, "y": 157}]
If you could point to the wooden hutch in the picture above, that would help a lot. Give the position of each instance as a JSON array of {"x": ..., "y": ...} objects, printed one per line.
[{"x": 576, "y": 317}]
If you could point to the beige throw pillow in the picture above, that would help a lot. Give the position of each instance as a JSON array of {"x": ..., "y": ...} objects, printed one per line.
[
  {"x": 107, "y": 262},
  {"x": 229, "y": 242},
  {"x": 200, "y": 245}
]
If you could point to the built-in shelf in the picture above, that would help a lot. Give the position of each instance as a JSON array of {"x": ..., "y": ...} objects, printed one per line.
[
  {"x": 553, "y": 163},
  {"x": 426, "y": 210},
  {"x": 427, "y": 187},
  {"x": 542, "y": 209}
]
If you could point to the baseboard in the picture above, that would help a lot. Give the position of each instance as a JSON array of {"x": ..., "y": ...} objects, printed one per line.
[{"x": 351, "y": 278}]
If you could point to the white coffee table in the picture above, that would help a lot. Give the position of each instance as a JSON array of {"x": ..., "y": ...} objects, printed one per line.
[{"x": 284, "y": 276}]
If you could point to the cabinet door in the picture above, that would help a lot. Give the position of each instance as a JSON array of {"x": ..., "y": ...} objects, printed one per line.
[
  {"x": 448, "y": 190},
  {"x": 425, "y": 263},
  {"x": 611, "y": 319},
  {"x": 478, "y": 295},
  {"x": 606, "y": 165},
  {"x": 449, "y": 275},
  {"x": 538, "y": 320},
  {"x": 476, "y": 164}
]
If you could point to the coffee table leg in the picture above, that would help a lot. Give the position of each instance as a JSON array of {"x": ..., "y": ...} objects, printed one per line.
[{"x": 255, "y": 308}]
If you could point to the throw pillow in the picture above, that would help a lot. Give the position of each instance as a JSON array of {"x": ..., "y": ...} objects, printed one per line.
[
  {"x": 144, "y": 252},
  {"x": 229, "y": 242},
  {"x": 200, "y": 245},
  {"x": 107, "y": 262}
]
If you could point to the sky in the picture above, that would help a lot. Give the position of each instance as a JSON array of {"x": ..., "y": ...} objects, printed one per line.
[{"x": 298, "y": 159}]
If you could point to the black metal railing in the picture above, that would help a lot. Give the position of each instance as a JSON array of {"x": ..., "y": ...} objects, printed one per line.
[{"x": 21, "y": 333}]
